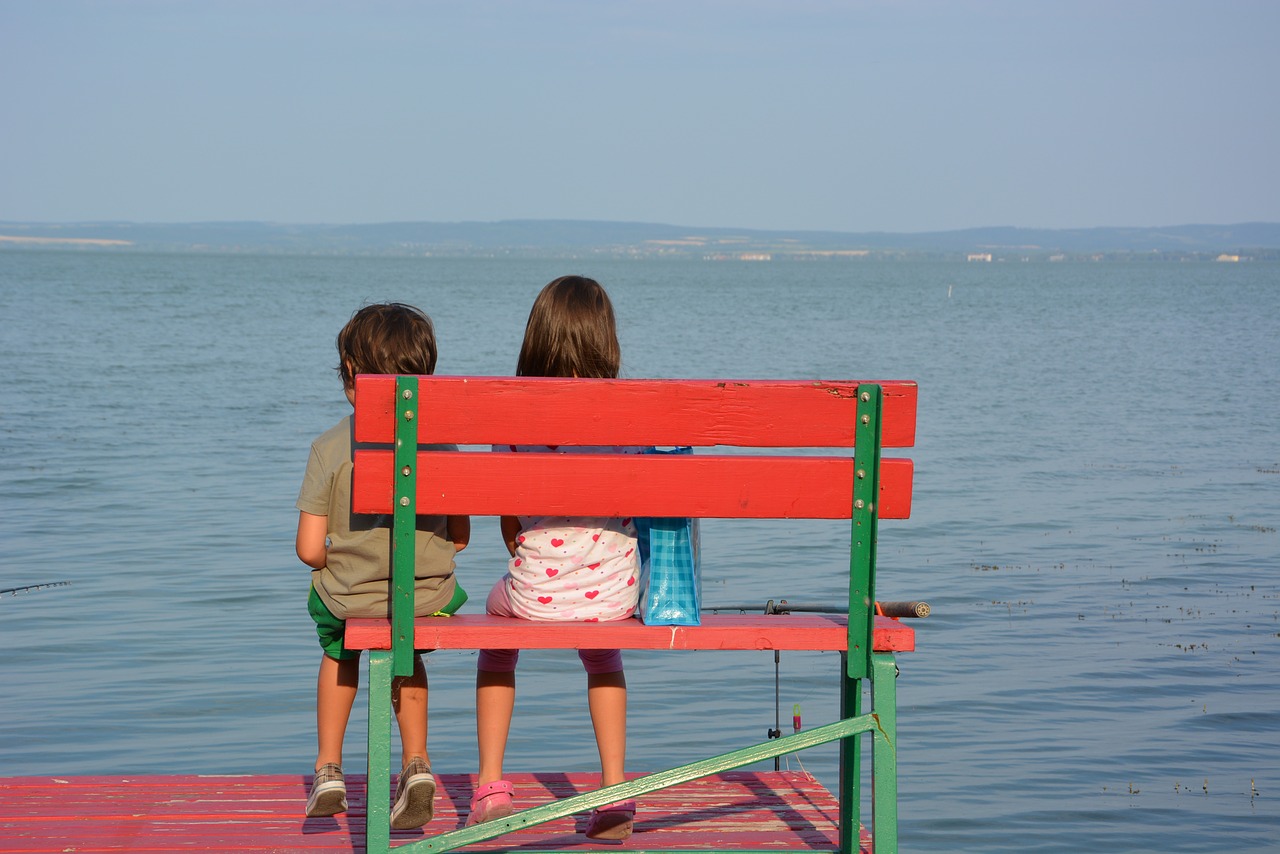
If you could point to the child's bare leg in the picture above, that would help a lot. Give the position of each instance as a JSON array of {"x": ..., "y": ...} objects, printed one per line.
[
  {"x": 336, "y": 688},
  {"x": 409, "y": 699},
  {"x": 495, "y": 703},
  {"x": 607, "y": 699}
]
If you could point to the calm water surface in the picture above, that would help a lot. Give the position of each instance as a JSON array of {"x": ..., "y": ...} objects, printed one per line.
[{"x": 1097, "y": 497}]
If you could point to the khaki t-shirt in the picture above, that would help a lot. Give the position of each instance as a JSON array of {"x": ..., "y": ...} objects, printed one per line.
[{"x": 356, "y": 580}]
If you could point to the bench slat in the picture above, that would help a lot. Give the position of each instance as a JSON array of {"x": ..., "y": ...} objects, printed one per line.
[
  {"x": 701, "y": 413},
  {"x": 612, "y": 485},
  {"x": 718, "y": 631}
]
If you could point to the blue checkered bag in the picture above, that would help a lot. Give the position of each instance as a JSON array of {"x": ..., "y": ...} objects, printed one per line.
[{"x": 670, "y": 568}]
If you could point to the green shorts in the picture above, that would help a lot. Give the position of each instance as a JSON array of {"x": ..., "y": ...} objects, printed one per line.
[{"x": 331, "y": 631}]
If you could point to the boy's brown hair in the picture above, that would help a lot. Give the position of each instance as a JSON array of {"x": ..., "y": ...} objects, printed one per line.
[
  {"x": 571, "y": 332},
  {"x": 387, "y": 338}
]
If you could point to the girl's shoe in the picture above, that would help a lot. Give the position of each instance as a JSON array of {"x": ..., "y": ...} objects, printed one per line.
[
  {"x": 415, "y": 803},
  {"x": 612, "y": 821},
  {"x": 492, "y": 800},
  {"x": 328, "y": 792}
]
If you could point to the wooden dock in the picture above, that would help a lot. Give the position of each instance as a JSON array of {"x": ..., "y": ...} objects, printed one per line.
[{"x": 742, "y": 810}]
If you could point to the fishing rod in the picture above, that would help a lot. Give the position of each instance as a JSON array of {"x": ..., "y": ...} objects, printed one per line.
[
  {"x": 782, "y": 606},
  {"x": 14, "y": 591},
  {"x": 896, "y": 610}
]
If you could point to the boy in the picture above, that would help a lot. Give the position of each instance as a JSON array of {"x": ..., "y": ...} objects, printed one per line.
[{"x": 350, "y": 558}]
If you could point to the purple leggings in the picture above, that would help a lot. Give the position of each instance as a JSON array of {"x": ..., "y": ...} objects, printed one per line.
[{"x": 504, "y": 660}]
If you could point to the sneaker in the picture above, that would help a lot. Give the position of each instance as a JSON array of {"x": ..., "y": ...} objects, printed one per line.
[
  {"x": 328, "y": 792},
  {"x": 415, "y": 802}
]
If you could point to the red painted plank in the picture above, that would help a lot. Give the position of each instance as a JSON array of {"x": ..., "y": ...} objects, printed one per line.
[
  {"x": 718, "y": 631},
  {"x": 702, "y": 413},
  {"x": 785, "y": 810},
  {"x": 699, "y": 486}
]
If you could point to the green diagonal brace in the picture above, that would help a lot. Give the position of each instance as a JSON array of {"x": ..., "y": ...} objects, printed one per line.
[{"x": 643, "y": 785}]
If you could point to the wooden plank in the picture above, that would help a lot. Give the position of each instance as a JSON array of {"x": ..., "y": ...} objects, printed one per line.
[
  {"x": 718, "y": 631},
  {"x": 617, "y": 485},
  {"x": 738, "y": 810},
  {"x": 702, "y": 413}
]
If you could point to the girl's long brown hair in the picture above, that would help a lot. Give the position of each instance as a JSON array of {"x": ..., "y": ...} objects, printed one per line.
[{"x": 571, "y": 332}]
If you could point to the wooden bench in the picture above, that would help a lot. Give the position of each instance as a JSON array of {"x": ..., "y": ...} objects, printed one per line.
[{"x": 401, "y": 413}]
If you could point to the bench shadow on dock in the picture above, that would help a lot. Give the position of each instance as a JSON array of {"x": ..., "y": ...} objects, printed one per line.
[{"x": 741, "y": 810}]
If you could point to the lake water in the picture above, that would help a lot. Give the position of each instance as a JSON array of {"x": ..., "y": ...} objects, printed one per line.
[{"x": 1097, "y": 497}]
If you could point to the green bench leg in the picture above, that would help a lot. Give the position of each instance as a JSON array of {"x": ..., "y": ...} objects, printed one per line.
[
  {"x": 884, "y": 753},
  {"x": 850, "y": 768},
  {"x": 377, "y": 822},
  {"x": 884, "y": 760}
]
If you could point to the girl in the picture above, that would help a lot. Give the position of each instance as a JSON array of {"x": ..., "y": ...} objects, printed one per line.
[{"x": 557, "y": 562}]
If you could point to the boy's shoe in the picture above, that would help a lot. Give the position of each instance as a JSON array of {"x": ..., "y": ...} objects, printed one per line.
[
  {"x": 415, "y": 802},
  {"x": 328, "y": 792}
]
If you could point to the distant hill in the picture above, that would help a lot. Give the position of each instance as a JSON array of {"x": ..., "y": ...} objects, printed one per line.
[{"x": 573, "y": 237}]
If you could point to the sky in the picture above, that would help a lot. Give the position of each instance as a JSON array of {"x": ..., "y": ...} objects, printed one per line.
[{"x": 857, "y": 116}]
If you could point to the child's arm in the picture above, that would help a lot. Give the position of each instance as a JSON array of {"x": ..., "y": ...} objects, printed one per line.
[
  {"x": 510, "y": 530},
  {"x": 459, "y": 530},
  {"x": 310, "y": 545}
]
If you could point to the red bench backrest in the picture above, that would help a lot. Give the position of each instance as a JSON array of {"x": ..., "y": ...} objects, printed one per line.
[{"x": 703, "y": 413}]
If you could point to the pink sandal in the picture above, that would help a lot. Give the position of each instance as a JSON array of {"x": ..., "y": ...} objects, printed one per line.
[
  {"x": 612, "y": 821},
  {"x": 490, "y": 801}
]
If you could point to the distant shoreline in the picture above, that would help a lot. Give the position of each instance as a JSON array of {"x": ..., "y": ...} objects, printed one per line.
[
  {"x": 599, "y": 239},
  {"x": 70, "y": 241}
]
